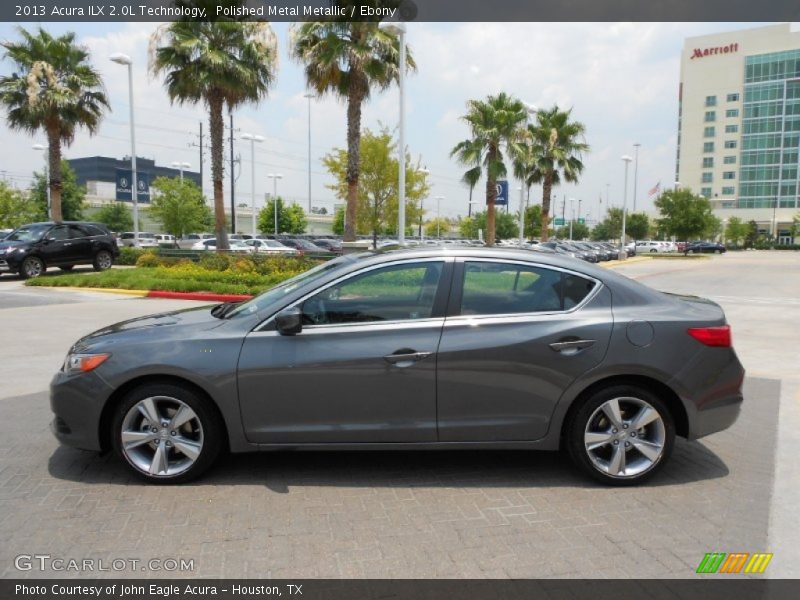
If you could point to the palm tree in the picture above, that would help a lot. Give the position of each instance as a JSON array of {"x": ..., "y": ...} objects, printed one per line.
[
  {"x": 217, "y": 63},
  {"x": 348, "y": 59},
  {"x": 470, "y": 153},
  {"x": 495, "y": 121},
  {"x": 54, "y": 89},
  {"x": 556, "y": 148}
]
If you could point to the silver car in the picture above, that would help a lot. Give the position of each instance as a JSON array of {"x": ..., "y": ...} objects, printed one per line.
[{"x": 439, "y": 348}]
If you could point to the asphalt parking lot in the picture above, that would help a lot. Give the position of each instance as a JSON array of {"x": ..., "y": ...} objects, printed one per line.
[{"x": 413, "y": 514}]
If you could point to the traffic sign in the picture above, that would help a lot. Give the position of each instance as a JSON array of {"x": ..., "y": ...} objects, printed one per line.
[{"x": 558, "y": 222}]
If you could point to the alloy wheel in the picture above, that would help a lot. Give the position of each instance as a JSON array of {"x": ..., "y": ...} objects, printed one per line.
[
  {"x": 161, "y": 436},
  {"x": 32, "y": 267},
  {"x": 103, "y": 260},
  {"x": 625, "y": 437}
]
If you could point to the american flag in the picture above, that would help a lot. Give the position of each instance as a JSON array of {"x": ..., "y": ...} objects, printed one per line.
[{"x": 653, "y": 191}]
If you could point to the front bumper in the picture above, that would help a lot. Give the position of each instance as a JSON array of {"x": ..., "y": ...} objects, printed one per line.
[{"x": 77, "y": 403}]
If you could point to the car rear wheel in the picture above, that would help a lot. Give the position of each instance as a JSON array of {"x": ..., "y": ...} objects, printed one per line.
[
  {"x": 621, "y": 435},
  {"x": 103, "y": 260},
  {"x": 167, "y": 433},
  {"x": 31, "y": 267}
]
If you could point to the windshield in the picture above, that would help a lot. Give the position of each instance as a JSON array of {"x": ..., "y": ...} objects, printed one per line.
[
  {"x": 28, "y": 233},
  {"x": 282, "y": 289}
]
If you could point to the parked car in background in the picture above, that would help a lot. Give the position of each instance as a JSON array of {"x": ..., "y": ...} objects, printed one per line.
[
  {"x": 453, "y": 348},
  {"x": 329, "y": 245},
  {"x": 259, "y": 246},
  {"x": 681, "y": 246},
  {"x": 301, "y": 245},
  {"x": 650, "y": 247},
  {"x": 146, "y": 240},
  {"x": 166, "y": 240},
  {"x": 29, "y": 250},
  {"x": 704, "y": 247},
  {"x": 190, "y": 239},
  {"x": 234, "y": 246}
]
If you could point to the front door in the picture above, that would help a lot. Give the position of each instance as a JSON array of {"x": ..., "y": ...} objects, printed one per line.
[
  {"x": 362, "y": 370},
  {"x": 57, "y": 247},
  {"x": 515, "y": 337}
]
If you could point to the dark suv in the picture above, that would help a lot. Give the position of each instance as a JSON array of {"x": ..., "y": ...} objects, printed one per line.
[{"x": 29, "y": 250}]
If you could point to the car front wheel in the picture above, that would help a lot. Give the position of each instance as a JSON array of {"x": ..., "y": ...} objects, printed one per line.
[
  {"x": 621, "y": 435},
  {"x": 103, "y": 260},
  {"x": 32, "y": 266},
  {"x": 167, "y": 433}
]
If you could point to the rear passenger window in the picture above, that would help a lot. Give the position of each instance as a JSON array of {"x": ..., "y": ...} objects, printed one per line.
[{"x": 501, "y": 289}]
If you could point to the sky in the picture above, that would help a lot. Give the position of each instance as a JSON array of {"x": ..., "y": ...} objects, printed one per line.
[{"x": 620, "y": 80}]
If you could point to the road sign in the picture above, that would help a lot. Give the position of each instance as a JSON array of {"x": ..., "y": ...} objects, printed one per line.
[
  {"x": 124, "y": 177},
  {"x": 582, "y": 220},
  {"x": 502, "y": 193},
  {"x": 558, "y": 222}
]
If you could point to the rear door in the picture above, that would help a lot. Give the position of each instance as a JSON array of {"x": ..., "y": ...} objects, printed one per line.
[{"x": 516, "y": 335}]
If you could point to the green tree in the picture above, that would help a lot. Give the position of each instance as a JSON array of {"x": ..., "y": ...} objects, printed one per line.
[
  {"x": 16, "y": 207},
  {"x": 580, "y": 231},
  {"x": 54, "y": 89},
  {"x": 637, "y": 226},
  {"x": 378, "y": 196},
  {"x": 557, "y": 147},
  {"x": 495, "y": 121},
  {"x": 348, "y": 59},
  {"x": 338, "y": 221},
  {"x": 437, "y": 227},
  {"x": 751, "y": 237},
  {"x": 736, "y": 230},
  {"x": 219, "y": 63},
  {"x": 73, "y": 196},
  {"x": 533, "y": 222},
  {"x": 291, "y": 218},
  {"x": 609, "y": 228},
  {"x": 506, "y": 225},
  {"x": 602, "y": 232},
  {"x": 179, "y": 206},
  {"x": 116, "y": 216},
  {"x": 795, "y": 229},
  {"x": 684, "y": 214}
]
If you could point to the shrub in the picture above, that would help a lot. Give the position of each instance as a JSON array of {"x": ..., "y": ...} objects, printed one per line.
[
  {"x": 215, "y": 261},
  {"x": 129, "y": 255},
  {"x": 148, "y": 259},
  {"x": 244, "y": 265}
]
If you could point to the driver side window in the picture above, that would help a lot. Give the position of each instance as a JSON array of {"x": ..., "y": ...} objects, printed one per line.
[
  {"x": 394, "y": 293},
  {"x": 58, "y": 233}
]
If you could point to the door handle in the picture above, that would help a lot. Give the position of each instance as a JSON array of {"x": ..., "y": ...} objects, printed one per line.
[
  {"x": 405, "y": 357},
  {"x": 571, "y": 346}
]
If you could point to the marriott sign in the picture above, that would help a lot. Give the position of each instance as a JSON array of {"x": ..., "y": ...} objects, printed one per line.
[{"x": 701, "y": 52}]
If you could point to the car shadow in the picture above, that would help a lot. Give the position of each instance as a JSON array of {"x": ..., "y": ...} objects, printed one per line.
[{"x": 280, "y": 471}]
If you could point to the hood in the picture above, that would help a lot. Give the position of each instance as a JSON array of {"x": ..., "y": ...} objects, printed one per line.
[{"x": 9, "y": 244}]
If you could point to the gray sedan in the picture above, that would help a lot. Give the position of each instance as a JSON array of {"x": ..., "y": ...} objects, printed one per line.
[{"x": 440, "y": 348}]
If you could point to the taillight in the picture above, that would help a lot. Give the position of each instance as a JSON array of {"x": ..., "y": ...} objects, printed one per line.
[{"x": 712, "y": 336}]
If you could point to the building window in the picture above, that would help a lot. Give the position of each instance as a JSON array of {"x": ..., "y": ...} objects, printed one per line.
[
  {"x": 706, "y": 191},
  {"x": 729, "y": 175},
  {"x": 711, "y": 100},
  {"x": 733, "y": 97},
  {"x": 710, "y": 116},
  {"x": 710, "y": 131},
  {"x": 731, "y": 128},
  {"x": 708, "y": 162},
  {"x": 708, "y": 177},
  {"x": 708, "y": 147},
  {"x": 729, "y": 160},
  {"x": 730, "y": 144},
  {"x": 728, "y": 191},
  {"x": 732, "y": 112}
]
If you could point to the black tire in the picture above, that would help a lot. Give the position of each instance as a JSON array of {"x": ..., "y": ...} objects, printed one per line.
[
  {"x": 66, "y": 268},
  {"x": 31, "y": 267},
  {"x": 213, "y": 434},
  {"x": 578, "y": 421},
  {"x": 103, "y": 260}
]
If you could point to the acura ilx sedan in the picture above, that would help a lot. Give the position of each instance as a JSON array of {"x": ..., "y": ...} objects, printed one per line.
[{"x": 435, "y": 348}]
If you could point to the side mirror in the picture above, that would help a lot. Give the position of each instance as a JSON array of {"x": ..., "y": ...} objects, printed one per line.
[{"x": 289, "y": 321}]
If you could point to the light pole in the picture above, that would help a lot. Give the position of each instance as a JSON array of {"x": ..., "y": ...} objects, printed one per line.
[
  {"x": 677, "y": 185},
  {"x": 438, "y": 213},
  {"x": 637, "y": 145},
  {"x": 275, "y": 177},
  {"x": 623, "y": 253},
  {"x": 399, "y": 29},
  {"x": 181, "y": 166},
  {"x": 253, "y": 140},
  {"x": 46, "y": 178},
  {"x": 309, "y": 96},
  {"x": 530, "y": 109},
  {"x": 124, "y": 59},
  {"x": 571, "y": 215},
  {"x": 423, "y": 171}
]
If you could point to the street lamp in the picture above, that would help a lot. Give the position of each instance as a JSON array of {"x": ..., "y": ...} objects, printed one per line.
[
  {"x": 623, "y": 254},
  {"x": 677, "y": 185},
  {"x": 637, "y": 145},
  {"x": 309, "y": 96},
  {"x": 124, "y": 59},
  {"x": 181, "y": 166},
  {"x": 399, "y": 29},
  {"x": 571, "y": 215},
  {"x": 438, "y": 222},
  {"x": 530, "y": 109},
  {"x": 253, "y": 139},
  {"x": 423, "y": 171},
  {"x": 275, "y": 177},
  {"x": 43, "y": 149}
]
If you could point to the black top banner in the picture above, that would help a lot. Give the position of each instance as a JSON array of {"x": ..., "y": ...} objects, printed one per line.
[{"x": 399, "y": 10}]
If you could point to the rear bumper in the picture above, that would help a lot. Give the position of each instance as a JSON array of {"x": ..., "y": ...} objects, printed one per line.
[{"x": 718, "y": 416}]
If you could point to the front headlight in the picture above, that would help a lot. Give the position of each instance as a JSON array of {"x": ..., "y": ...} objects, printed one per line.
[{"x": 83, "y": 363}]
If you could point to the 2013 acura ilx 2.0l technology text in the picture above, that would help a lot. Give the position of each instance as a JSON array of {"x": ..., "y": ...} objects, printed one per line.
[{"x": 435, "y": 348}]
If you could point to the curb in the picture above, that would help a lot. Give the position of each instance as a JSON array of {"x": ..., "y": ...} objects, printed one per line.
[
  {"x": 137, "y": 293},
  {"x": 628, "y": 261},
  {"x": 197, "y": 296}
]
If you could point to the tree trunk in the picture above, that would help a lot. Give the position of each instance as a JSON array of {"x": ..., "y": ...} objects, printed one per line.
[
  {"x": 491, "y": 197},
  {"x": 217, "y": 129},
  {"x": 354, "y": 100},
  {"x": 54, "y": 174},
  {"x": 547, "y": 189}
]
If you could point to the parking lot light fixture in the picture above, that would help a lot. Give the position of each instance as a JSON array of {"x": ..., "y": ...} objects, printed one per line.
[
  {"x": 124, "y": 59},
  {"x": 181, "y": 166},
  {"x": 254, "y": 139},
  {"x": 623, "y": 253},
  {"x": 275, "y": 177}
]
